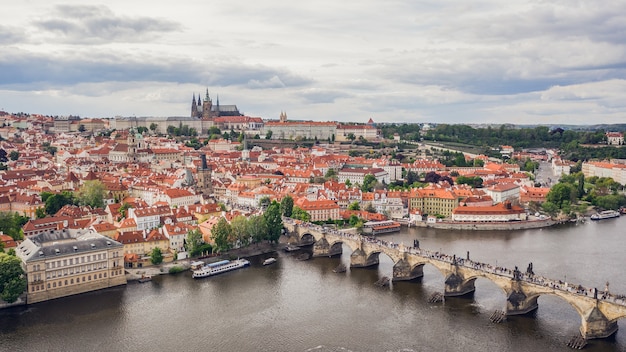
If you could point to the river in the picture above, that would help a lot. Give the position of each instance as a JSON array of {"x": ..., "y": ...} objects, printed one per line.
[{"x": 303, "y": 306}]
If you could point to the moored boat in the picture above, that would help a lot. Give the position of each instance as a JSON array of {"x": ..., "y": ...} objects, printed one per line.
[
  {"x": 269, "y": 261},
  {"x": 607, "y": 214},
  {"x": 145, "y": 278},
  {"x": 219, "y": 267}
]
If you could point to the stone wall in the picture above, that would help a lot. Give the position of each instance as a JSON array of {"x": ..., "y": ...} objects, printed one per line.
[{"x": 70, "y": 290}]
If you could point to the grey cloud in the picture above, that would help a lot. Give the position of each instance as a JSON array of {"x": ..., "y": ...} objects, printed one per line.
[
  {"x": 85, "y": 24},
  {"x": 10, "y": 35},
  {"x": 23, "y": 68}
]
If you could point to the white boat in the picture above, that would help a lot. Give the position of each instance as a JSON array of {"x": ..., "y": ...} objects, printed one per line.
[
  {"x": 219, "y": 267},
  {"x": 269, "y": 261},
  {"x": 607, "y": 214}
]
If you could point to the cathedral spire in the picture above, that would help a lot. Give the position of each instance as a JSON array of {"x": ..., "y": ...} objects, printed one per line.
[{"x": 207, "y": 98}]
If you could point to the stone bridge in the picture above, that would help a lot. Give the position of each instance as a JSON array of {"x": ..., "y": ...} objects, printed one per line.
[{"x": 599, "y": 311}]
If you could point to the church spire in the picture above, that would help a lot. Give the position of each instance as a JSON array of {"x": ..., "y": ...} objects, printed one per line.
[{"x": 207, "y": 98}]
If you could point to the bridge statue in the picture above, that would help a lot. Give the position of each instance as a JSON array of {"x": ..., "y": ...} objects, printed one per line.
[{"x": 599, "y": 313}]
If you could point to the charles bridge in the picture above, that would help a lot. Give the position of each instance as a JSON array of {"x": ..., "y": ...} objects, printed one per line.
[{"x": 599, "y": 310}]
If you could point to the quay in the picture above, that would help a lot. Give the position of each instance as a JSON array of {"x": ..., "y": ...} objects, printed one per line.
[{"x": 599, "y": 310}]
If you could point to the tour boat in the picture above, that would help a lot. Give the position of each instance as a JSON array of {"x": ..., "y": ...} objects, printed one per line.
[
  {"x": 219, "y": 267},
  {"x": 269, "y": 261},
  {"x": 607, "y": 214}
]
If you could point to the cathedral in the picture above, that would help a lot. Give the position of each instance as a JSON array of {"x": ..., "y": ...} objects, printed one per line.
[{"x": 206, "y": 110}]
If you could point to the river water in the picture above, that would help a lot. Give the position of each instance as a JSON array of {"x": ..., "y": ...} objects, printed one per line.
[{"x": 303, "y": 306}]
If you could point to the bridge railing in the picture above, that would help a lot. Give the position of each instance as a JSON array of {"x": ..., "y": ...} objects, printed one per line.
[{"x": 484, "y": 267}]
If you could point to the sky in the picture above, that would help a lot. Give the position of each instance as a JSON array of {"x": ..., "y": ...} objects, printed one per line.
[{"x": 442, "y": 61}]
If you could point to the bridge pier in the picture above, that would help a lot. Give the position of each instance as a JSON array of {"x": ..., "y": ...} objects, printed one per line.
[
  {"x": 517, "y": 302},
  {"x": 322, "y": 248},
  {"x": 595, "y": 325},
  {"x": 359, "y": 259},
  {"x": 457, "y": 286},
  {"x": 402, "y": 271}
]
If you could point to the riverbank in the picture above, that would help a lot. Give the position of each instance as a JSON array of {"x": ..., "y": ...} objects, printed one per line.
[{"x": 134, "y": 274}]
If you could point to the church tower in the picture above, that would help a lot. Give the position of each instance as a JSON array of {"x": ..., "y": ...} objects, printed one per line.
[
  {"x": 194, "y": 107},
  {"x": 132, "y": 146},
  {"x": 207, "y": 106},
  {"x": 203, "y": 185},
  {"x": 283, "y": 116}
]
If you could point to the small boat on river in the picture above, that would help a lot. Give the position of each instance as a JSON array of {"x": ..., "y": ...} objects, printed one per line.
[
  {"x": 145, "y": 278},
  {"x": 269, "y": 261},
  {"x": 219, "y": 267}
]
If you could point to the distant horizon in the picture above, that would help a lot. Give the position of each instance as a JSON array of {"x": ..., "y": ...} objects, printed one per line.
[{"x": 557, "y": 62}]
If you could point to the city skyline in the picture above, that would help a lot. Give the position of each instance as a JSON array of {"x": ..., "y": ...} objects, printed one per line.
[{"x": 530, "y": 62}]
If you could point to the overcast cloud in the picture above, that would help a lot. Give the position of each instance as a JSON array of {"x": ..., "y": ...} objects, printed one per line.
[{"x": 554, "y": 62}]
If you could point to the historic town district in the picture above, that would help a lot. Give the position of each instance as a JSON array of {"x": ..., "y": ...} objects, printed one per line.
[{"x": 157, "y": 189}]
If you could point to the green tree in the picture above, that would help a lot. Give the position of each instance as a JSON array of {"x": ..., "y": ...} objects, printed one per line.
[
  {"x": 561, "y": 192},
  {"x": 194, "y": 242},
  {"x": 221, "y": 235},
  {"x": 57, "y": 201},
  {"x": 268, "y": 135},
  {"x": 351, "y": 137},
  {"x": 368, "y": 183},
  {"x": 286, "y": 206},
  {"x": 14, "y": 155},
  {"x": 156, "y": 257},
  {"x": 11, "y": 224},
  {"x": 40, "y": 212},
  {"x": 92, "y": 193},
  {"x": 353, "y": 220},
  {"x": 550, "y": 208},
  {"x": 240, "y": 228},
  {"x": 273, "y": 222},
  {"x": 12, "y": 278},
  {"x": 370, "y": 208},
  {"x": 153, "y": 127},
  {"x": 256, "y": 228},
  {"x": 348, "y": 183},
  {"x": 81, "y": 128},
  {"x": 354, "y": 206},
  {"x": 300, "y": 214},
  {"x": 331, "y": 174}
]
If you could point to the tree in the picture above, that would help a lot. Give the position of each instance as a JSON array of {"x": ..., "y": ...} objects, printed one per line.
[
  {"x": 156, "y": 257},
  {"x": 256, "y": 228},
  {"x": 3, "y": 156},
  {"x": 40, "y": 212},
  {"x": 11, "y": 224},
  {"x": 153, "y": 127},
  {"x": 92, "y": 193},
  {"x": 14, "y": 155},
  {"x": 268, "y": 135},
  {"x": 370, "y": 208},
  {"x": 351, "y": 137},
  {"x": 193, "y": 242},
  {"x": 286, "y": 206},
  {"x": 57, "y": 201},
  {"x": 331, "y": 174},
  {"x": 273, "y": 222},
  {"x": 12, "y": 278},
  {"x": 368, "y": 183},
  {"x": 561, "y": 192},
  {"x": 81, "y": 128},
  {"x": 240, "y": 228},
  {"x": 354, "y": 206},
  {"x": 348, "y": 183},
  {"x": 221, "y": 234},
  {"x": 300, "y": 214}
]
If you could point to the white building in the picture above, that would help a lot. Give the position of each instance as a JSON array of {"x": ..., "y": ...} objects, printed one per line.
[{"x": 357, "y": 175}]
